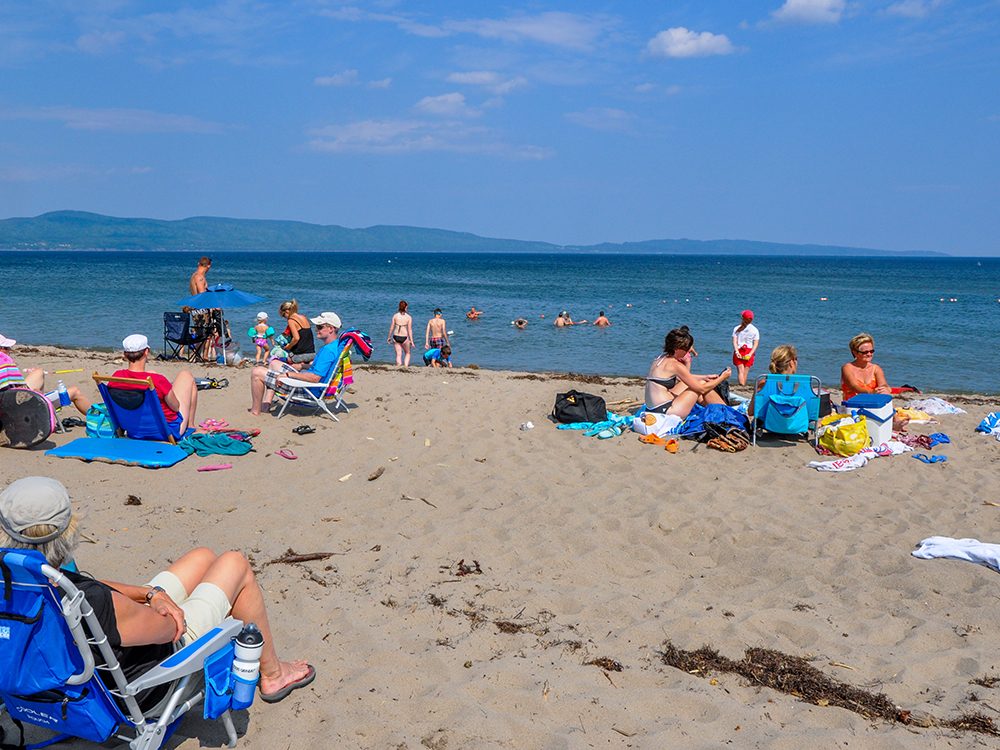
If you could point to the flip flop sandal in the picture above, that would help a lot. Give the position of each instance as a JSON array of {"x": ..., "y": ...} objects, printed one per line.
[
  {"x": 215, "y": 467},
  {"x": 285, "y": 691},
  {"x": 285, "y": 453},
  {"x": 304, "y": 429},
  {"x": 652, "y": 439},
  {"x": 671, "y": 446},
  {"x": 721, "y": 444},
  {"x": 73, "y": 422},
  {"x": 929, "y": 459}
]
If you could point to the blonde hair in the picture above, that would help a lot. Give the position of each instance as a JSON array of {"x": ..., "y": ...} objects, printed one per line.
[
  {"x": 56, "y": 551},
  {"x": 782, "y": 358},
  {"x": 290, "y": 307},
  {"x": 857, "y": 341}
]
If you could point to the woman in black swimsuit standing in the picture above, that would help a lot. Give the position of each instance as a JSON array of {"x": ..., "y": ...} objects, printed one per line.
[
  {"x": 671, "y": 387},
  {"x": 401, "y": 334}
]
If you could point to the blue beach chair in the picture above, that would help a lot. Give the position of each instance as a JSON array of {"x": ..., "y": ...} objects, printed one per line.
[
  {"x": 787, "y": 405},
  {"x": 135, "y": 412},
  {"x": 58, "y": 671}
]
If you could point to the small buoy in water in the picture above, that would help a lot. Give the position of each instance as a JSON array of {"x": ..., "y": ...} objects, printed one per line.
[
  {"x": 451, "y": 333},
  {"x": 822, "y": 299},
  {"x": 953, "y": 299}
]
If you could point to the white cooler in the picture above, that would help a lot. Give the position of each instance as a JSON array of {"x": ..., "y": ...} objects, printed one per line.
[{"x": 878, "y": 412}]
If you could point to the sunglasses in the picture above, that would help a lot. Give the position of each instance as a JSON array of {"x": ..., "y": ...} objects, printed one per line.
[{"x": 865, "y": 352}]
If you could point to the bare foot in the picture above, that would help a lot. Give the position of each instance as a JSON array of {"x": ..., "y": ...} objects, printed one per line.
[{"x": 289, "y": 672}]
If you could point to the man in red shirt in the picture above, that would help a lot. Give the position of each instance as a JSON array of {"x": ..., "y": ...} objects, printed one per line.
[{"x": 179, "y": 400}]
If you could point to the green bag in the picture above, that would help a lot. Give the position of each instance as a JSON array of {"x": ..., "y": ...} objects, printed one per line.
[{"x": 98, "y": 422}]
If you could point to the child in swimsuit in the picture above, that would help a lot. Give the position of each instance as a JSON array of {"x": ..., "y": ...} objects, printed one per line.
[{"x": 261, "y": 334}]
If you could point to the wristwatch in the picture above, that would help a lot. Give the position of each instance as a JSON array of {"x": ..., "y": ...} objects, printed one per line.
[{"x": 153, "y": 591}]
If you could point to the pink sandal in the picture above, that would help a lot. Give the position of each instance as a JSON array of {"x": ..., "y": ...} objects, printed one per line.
[{"x": 285, "y": 453}]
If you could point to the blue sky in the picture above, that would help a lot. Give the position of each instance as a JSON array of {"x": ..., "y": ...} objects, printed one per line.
[{"x": 873, "y": 123}]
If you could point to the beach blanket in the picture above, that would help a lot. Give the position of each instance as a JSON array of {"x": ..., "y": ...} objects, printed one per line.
[
  {"x": 613, "y": 426},
  {"x": 362, "y": 341},
  {"x": 970, "y": 550},
  {"x": 695, "y": 427},
  {"x": 214, "y": 443},
  {"x": 934, "y": 406},
  {"x": 990, "y": 425},
  {"x": 862, "y": 457}
]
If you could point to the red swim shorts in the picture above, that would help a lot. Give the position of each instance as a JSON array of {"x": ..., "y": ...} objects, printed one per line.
[{"x": 738, "y": 357}]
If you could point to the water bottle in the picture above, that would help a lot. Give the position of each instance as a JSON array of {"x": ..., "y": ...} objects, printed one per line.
[
  {"x": 246, "y": 665},
  {"x": 63, "y": 394}
]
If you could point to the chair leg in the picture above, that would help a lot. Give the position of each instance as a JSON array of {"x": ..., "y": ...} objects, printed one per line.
[
  {"x": 284, "y": 406},
  {"x": 227, "y": 722}
]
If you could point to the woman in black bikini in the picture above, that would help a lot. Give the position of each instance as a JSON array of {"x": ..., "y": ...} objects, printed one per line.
[
  {"x": 401, "y": 334},
  {"x": 671, "y": 387},
  {"x": 300, "y": 347}
]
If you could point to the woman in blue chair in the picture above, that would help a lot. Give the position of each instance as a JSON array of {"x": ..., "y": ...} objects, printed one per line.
[
  {"x": 142, "y": 622},
  {"x": 671, "y": 387}
]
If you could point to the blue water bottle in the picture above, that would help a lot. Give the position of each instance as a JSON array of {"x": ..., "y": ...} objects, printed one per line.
[
  {"x": 63, "y": 394},
  {"x": 246, "y": 665}
]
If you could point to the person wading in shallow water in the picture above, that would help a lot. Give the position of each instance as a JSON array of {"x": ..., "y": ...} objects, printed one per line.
[{"x": 198, "y": 282}]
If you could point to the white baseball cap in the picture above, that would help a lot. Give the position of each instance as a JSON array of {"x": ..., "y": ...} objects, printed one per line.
[
  {"x": 6, "y": 342},
  {"x": 327, "y": 319},
  {"x": 34, "y": 501},
  {"x": 135, "y": 343},
  {"x": 262, "y": 315}
]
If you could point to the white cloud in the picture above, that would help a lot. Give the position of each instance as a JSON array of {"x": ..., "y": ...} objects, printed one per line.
[
  {"x": 446, "y": 105},
  {"x": 569, "y": 30},
  {"x": 115, "y": 120},
  {"x": 382, "y": 83},
  {"x": 489, "y": 80},
  {"x": 810, "y": 11},
  {"x": 648, "y": 88},
  {"x": 343, "y": 78},
  {"x": 556, "y": 28},
  {"x": 681, "y": 42},
  {"x": 606, "y": 119},
  {"x": 913, "y": 8},
  {"x": 415, "y": 136}
]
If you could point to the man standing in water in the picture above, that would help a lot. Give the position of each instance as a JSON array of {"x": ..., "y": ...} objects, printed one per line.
[
  {"x": 436, "y": 334},
  {"x": 198, "y": 282},
  {"x": 602, "y": 320}
]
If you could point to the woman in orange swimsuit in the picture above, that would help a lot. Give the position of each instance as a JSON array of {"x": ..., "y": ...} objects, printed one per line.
[{"x": 862, "y": 375}]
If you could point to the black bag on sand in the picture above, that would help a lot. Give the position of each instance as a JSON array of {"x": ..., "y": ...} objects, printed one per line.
[{"x": 574, "y": 406}]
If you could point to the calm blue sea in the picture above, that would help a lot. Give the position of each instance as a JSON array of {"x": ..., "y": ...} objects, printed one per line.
[{"x": 935, "y": 321}]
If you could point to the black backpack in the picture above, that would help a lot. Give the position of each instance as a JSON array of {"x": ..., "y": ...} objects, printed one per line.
[{"x": 574, "y": 406}]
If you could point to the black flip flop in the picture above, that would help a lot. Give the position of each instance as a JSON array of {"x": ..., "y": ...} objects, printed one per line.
[
  {"x": 287, "y": 689},
  {"x": 73, "y": 422},
  {"x": 304, "y": 429}
]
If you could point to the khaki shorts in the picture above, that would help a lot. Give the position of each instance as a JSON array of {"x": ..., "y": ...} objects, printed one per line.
[{"x": 204, "y": 609}]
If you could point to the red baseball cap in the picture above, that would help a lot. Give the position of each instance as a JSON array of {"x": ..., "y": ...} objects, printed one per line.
[{"x": 748, "y": 314}]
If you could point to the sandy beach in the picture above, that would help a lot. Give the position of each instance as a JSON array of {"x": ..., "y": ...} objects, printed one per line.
[{"x": 471, "y": 582}]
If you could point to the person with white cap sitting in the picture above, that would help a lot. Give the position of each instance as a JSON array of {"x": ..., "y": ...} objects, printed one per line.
[
  {"x": 12, "y": 377},
  {"x": 143, "y": 622},
  {"x": 179, "y": 400},
  {"x": 264, "y": 380}
]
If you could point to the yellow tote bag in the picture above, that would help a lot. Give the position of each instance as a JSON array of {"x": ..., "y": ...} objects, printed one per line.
[{"x": 845, "y": 439}]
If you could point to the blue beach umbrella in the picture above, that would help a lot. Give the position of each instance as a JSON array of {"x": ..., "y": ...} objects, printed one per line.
[{"x": 219, "y": 296}]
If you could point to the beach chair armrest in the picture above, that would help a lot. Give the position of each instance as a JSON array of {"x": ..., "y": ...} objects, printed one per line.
[
  {"x": 189, "y": 659},
  {"x": 296, "y": 383}
]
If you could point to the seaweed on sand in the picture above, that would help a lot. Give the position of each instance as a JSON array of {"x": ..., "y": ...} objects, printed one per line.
[{"x": 795, "y": 676}]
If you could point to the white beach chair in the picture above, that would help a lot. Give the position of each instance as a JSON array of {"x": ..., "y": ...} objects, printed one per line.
[{"x": 326, "y": 396}]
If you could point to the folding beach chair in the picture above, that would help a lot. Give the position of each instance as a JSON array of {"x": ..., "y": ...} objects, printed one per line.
[
  {"x": 327, "y": 395},
  {"x": 58, "y": 671},
  {"x": 787, "y": 405},
  {"x": 182, "y": 339},
  {"x": 134, "y": 409}
]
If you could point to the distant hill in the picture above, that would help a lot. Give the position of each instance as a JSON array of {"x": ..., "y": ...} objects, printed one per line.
[{"x": 69, "y": 230}]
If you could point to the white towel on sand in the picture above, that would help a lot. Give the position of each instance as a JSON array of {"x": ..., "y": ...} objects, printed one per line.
[{"x": 970, "y": 550}]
